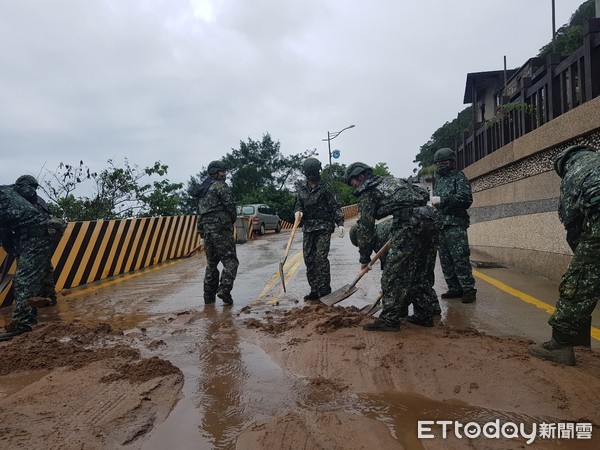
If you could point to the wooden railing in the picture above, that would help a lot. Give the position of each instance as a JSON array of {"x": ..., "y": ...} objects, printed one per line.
[{"x": 556, "y": 87}]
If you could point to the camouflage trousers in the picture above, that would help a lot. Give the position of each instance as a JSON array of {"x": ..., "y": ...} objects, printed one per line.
[
  {"x": 31, "y": 277},
  {"x": 454, "y": 257},
  {"x": 220, "y": 248},
  {"x": 399, "y": 279},
  {"x": 315, "y": 248},
  {"x": 580, "y": 286},
  {"x": 424, "y": 294}
]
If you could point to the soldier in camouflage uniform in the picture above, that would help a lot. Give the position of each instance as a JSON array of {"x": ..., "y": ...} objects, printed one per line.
[
  {"x": 379, "y": 197},
  {"x": 26, "y": 186},
  {"x": 217, "y": 216},
  {"x": 320, "y": 211},
  {"x": 453, "y": 196},
  {"x": 426, "y": 254},
  {"x": 579, "y": 211},
  {"x": 24, "y": 233},
  {"x": 383, "y": 232}
]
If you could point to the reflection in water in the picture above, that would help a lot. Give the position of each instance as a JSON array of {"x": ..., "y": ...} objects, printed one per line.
[
  {"x": 222, "y": 380},
  {"x": 401, "y": 412}
]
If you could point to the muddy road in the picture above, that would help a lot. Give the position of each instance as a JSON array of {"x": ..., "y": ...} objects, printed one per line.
[{"x": 140, "y": 362}]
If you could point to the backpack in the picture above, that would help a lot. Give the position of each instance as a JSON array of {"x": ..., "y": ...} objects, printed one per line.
[{"x": 426, "y": 221}]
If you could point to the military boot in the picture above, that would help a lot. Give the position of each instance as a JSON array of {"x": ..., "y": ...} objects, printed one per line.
[
  {"x": 452, "y": 294},
  {"x": 552, "y": 350},
  {"x": 311, "y": 296},
  {"x": 380, "y": 325},
  {"x": 14, "y": 329},
  {"x": 421, "y": 321},
  {"x": 324, "y": 292},
  {"x": 469, "y": 296},
  {"x": 226, "y": 297},
  {"x": 209, "y": 299}
]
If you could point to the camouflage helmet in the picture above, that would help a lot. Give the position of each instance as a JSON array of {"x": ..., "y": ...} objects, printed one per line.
[
  {"x": 444, "y": 154},
  {"x": 563, "y": 157},
  {"x": 216, "y": 166},
  {"x": 311, "y": 165},
  {"x": 354, "y": 235},
  {"x": 355, "y": 169},
  {"x": 28, "y": 180}
]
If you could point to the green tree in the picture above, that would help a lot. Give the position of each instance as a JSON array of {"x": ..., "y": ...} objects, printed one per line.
[
  {"x": 260, "y": 164},
  {"x": 448, "y": 135},
  {"x": 258, "y": 173},
  {"x": 333, "y": 175},
  {"x": 381, "y": 169},
  {"x": 569, "y": 37},
  {"x": 118, "y": 192}
]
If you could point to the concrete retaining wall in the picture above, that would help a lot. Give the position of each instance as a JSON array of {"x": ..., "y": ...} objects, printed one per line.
[{"x": 514, "y": 217}]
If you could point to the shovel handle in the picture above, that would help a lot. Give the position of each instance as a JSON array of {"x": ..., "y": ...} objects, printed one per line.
[
  {"x": 289, "y": 244},
  {"x": 382, "y": 250}
]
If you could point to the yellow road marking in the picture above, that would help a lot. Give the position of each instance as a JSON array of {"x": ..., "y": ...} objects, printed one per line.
[
  {"x": 294, "y": 261},
  {"x": 290, "y": 273},
  {"x": 526, "y": 298}
]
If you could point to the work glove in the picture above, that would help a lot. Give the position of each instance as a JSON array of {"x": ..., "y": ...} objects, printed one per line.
[
  {"x": 435, "y": 200},
  {"x": 298, "y": 215},
  {"x": 56, "y": 226},
  {"x": 368, "y": 266},
  {"x": 341, "y": 231},
  {"x": 202, "y": 243}
]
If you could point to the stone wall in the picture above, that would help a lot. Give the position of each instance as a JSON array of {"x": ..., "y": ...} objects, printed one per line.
[{"x": 514, "y": 218}]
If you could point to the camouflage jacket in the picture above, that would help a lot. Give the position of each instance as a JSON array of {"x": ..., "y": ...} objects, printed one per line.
[
  {"x": 379, "y": 197},
  {"x": 19, "y": 219},
  {"x": 579, "y": 205},
  {"x": 454, "y": 189},
  {"x": 216, "y": 207},
  {"x": 320, "y": 208}
]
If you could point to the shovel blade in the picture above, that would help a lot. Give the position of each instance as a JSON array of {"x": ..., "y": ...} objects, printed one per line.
[
  {"x": 281, "y": 275},
  {"x": 339, "y": 295},
  {"x": 369, "y": 310}
]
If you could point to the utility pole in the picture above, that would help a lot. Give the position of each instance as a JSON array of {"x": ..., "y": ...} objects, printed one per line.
[{"x": 554, "y": 25}]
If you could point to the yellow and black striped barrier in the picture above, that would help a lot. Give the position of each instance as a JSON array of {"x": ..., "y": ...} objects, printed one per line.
[{"x": 95, "y": 250}]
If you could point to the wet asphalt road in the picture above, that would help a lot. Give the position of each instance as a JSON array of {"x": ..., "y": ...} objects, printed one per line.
[
  {"x": 509, "y": 302},
  {"x": 230, "y": 383}
]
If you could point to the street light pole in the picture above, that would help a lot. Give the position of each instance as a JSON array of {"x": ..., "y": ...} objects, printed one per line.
[{"x": 331, "y": 136}]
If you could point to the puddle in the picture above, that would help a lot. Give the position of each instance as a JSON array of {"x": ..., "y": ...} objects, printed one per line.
[
  {"x": 401, "y": 412},
  {"x": 229, "y": 384}
]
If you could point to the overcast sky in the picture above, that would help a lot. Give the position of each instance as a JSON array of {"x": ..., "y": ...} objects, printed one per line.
[{"x": 184, "y": 81}]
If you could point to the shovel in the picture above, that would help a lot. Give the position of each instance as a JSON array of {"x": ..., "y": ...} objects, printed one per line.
[
  {"x": 369, "y": 310},
  {"x": 349, "y": 289},
  {"x": 287, "y": 250}
]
